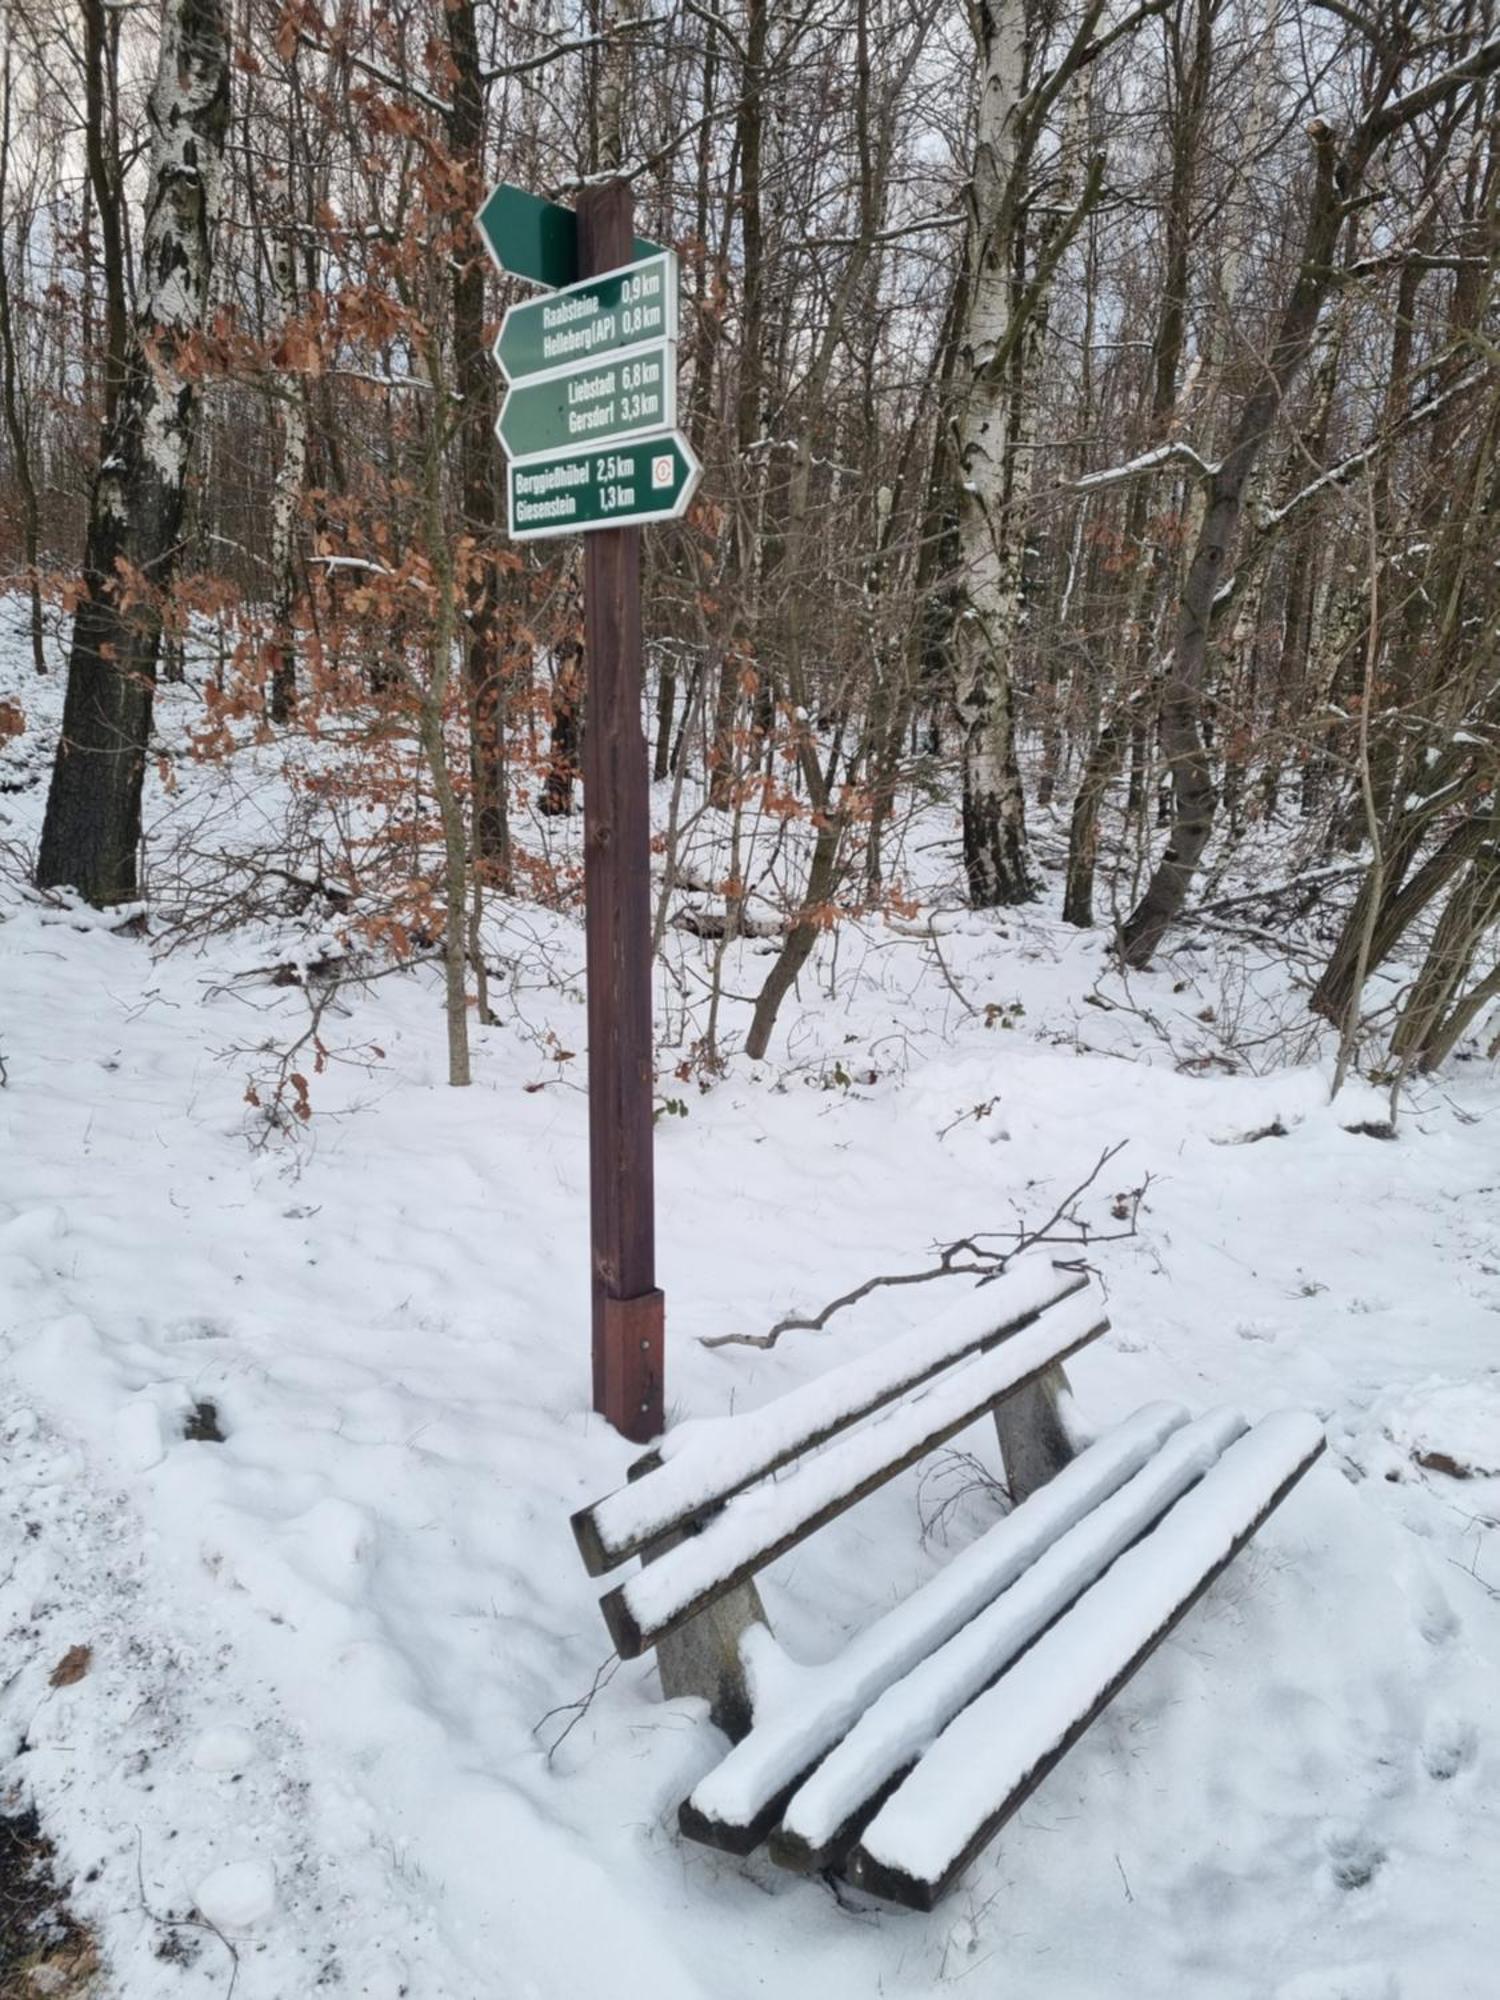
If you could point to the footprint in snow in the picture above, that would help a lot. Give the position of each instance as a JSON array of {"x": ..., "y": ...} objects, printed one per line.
[
  {"x": 1437, "y": 1621},
  {"x": 1257, "y": 1329},
  {"x": 1355, "y": 1859},
  {"x": 1450, "y": 1745}
]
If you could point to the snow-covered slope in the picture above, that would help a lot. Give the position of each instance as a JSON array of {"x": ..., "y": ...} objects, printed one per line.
[{"x": 330, "y": 1655}]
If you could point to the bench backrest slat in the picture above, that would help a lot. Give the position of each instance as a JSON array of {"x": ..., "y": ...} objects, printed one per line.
[
  {"x": 758, "y": 1525},
  {"x": 703, "y": 1464}
]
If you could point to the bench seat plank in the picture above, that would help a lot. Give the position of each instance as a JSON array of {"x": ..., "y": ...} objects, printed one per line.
[
  {"x": 763, "y": 1522},
  {"x": 806, "y": 1710},
  {"x": 704, "y": 1462},
  {"x": 987, "y": 1762},
  {"x": 825, "y": 1814}
]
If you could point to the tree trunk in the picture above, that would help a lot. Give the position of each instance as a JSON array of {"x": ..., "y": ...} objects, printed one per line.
[
  {"x": 556, "y": 799},
  {"x": 16, "y": 429},
  {"x": 983, "y": 602},
  {"x": 91, "y": 833},
  {"x": 1402, "y": 901},
  {"x": 745, "y": 546},
  {"x": 100, "y": 32},
  {"x": 287, "y": 504},
  {"x": 1194, "y": 73},
  {"x": 1194, "y": 797},
  {"x": 822, "y": 877},
  {"x": 1471, "y": 911},
  {"x": 475, "y": 379}
]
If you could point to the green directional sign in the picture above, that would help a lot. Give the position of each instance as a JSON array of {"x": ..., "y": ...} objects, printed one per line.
[
  {"x": 536, "y": 239},
  {"x": 594, "y": 318},
  {"x": 646, "y": 479},
  {"x": 619, "y": 398}
]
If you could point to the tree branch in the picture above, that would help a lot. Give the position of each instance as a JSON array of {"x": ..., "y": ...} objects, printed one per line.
[{"x": 984, "y": 1264}]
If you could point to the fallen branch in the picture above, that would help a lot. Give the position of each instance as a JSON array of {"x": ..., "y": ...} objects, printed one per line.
[
  {"x": 983, "y": 1264},
  {"x": 577, "y": 1709}
]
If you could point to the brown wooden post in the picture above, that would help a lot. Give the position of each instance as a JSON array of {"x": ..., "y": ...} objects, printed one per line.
[{"x": 627, "y": 1307}]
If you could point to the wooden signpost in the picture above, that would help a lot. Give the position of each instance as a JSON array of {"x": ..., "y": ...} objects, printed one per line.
[{"x": 588, "y": 425}]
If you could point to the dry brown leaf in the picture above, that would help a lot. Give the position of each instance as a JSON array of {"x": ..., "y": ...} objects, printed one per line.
[{"x": 73, "y": 1665}]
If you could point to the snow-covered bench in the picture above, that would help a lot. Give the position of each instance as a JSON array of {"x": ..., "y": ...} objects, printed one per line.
[{"x": 899, "y": 1759}]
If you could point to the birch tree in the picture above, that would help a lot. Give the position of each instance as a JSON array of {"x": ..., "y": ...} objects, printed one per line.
[
  {"x": 91, "y": 833},
  {"x": 984, "y": 602}
]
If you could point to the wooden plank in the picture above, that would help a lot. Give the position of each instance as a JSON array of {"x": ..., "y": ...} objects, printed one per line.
[
  {"x": 822, "y": 1487},
  {"x": 736, "y": 1804},
  {"x": 919, "y": 1892},
  {"x": 627, "y": 1346},
  {"x": 735, "y": 1836},
  {"x": 823, "y": 1821},
  {"x": 604, "y": 1545}
]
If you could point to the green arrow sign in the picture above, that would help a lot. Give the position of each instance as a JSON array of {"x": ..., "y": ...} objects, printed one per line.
[
  {"x": 649, "y": 479},
  {"x": 596, "y": 317},
  {"x": 592, "y": 405},
  {"x": 536, "y": 239}
]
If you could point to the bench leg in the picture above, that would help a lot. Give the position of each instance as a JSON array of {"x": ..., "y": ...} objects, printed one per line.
[
  {"x": 1034, "y": 1440},
  {"x": 703, "y": 1657}
]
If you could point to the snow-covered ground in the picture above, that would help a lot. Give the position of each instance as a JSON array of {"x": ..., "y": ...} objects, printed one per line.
[{"x": 321, "y": 1743}]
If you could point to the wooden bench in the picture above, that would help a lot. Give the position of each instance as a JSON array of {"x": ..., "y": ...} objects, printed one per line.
[{"x": 897, "y": 1761}]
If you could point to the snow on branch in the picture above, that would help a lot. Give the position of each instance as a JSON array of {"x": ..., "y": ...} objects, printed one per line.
[
  {"x": 1177, "y": 452},
  {"x": 1271, "y": 518},
  {"x": 940, "y": 219},
  {"x": 578, "y": 46},
  {"x": 1472, "y": 69}
]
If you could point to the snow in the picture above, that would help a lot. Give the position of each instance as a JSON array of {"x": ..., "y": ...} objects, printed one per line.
[
  {"x": 1177, "y": 452},
  {"x": 138, "y": 1436},
  {"x": 705, "y": 1459},
  {"x": 898, "y": 1727},
  {"x": 225, "y": 1748},
  {"x": 238, "y": 1895},
  {"x": 995, "y": 1744},
  {"x": 809, "y": 1708},
  {"x": 781, "y": 1508},
  {"x": 1457, "y": 1421},
  {"x": 1298, "y": 1797}
]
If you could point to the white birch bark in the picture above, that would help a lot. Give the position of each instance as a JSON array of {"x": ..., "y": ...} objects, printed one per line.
[
  {"x": 92, "y": 828},
  {"x": 987, "y": 590}
]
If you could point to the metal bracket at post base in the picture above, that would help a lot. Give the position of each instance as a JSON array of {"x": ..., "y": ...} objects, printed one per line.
[{"x": 630, "y": 1336}]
